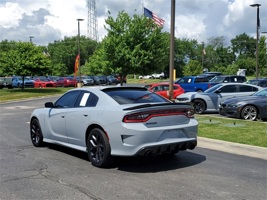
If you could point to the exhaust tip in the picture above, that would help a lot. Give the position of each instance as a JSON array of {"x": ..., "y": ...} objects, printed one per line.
[
  {"x": 192, "y": 145},
  {"x": 148, "y": 153}
]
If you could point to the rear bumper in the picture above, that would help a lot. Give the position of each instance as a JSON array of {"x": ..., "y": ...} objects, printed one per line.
[{"x": 167, "y": 148}]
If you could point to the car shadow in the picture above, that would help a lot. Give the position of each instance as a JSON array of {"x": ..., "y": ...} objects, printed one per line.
[
  {"x": 138, "y": 164},
  {"x": 182, "y": 159}
]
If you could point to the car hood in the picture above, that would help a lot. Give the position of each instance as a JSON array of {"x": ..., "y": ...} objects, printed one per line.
[{"x": 187, "y": 94}]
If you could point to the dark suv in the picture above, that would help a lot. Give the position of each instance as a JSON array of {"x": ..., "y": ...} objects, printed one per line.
[{"x": 227, "y": 79}]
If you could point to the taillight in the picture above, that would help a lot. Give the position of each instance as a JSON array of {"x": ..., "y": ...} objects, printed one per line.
[
  {"x": 145, "y": 116},
  {"x": 209, "y": 85}
]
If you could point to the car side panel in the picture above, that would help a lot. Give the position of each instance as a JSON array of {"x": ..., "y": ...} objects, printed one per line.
[{"x": 55, "y": 121}]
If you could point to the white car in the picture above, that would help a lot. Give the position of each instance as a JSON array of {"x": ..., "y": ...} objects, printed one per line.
[
  {"x": 210, "y": 99},
  {"x": 115, "y": 121},
  {"x": 146, "y": 77}
]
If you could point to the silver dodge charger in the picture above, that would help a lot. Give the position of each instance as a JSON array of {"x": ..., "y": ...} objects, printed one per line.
[{"x": 115, "y": 121}]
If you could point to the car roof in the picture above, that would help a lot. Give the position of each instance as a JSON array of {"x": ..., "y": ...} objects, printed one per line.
[{"x": 236, "y": 83}]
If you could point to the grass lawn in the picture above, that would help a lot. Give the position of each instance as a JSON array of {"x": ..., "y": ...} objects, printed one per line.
[
  {"x": 233, "y": 130},
  {"x": 26, "y": 93}
]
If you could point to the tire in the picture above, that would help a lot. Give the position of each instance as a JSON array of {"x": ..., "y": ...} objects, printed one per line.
[
  {"x": 249, "y": 113},
  {"x": 199, "y": 106},
  {"x": 199, "y": 90},
  {"x": 36, "y": 134},
  {"x": 98, "y": 148}
]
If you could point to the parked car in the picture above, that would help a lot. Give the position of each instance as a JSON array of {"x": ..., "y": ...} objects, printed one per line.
[
  {"x": 43, "y": 82},
  {"x": 65, "y": 82},
  {"x": 248, "y": 108},
  {"x": 96, "y": 80},
  {"x": 6, "y": 82},
  {"x": 87, "y": 80},
  {"x": 227, "y": 79},
  {"x": 158, "y": 76},
  {"x": 163, "y": 89},
  {"x": 210, "y": 99},
  {"x": 17, "y": 82},
  {"x": 194, "y": 83},
  {"x": 146, "y": 77},
  {"x": 262, "y": 82},
  {"x": 102, "y": 80},
  {"x": 115, "y": 121},
  {"x": 112, "y": 80}
]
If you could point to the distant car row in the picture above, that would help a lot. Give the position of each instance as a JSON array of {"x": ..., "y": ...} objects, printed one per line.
[{"x": 55, "y": 81}]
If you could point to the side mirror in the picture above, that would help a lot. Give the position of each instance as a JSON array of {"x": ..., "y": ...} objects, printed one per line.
[
  {"x": 49, "y": 105},
  {"x": 217, "y": 91}
]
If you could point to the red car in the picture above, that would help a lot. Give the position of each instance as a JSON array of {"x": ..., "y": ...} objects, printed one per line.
[
  {"x": 66, "y": 82},
  {"x": 42, "y": 82},
  {"x": 163, "y": 89}
]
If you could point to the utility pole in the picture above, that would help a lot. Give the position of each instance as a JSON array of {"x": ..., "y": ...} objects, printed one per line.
[
  {"x": 172, "y": 50},
  {"x": 79, "y": 52}
]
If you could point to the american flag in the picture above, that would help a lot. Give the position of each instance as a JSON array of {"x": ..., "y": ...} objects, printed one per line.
[{"x": 154, "y": 17}]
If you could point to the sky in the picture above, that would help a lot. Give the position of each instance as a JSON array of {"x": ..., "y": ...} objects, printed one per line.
[{"x": 50, "y": 20}]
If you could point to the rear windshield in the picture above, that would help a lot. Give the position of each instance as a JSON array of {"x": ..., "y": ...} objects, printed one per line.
[{"x": 130, "y": 96}]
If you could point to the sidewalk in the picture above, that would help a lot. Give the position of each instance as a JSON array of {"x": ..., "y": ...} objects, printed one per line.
[{"x": 234, "y": 148}]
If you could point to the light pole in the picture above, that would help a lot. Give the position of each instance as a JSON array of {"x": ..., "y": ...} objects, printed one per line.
[
  {"x": 79, "y": 52},
  {"x": 31, "y": 38},
  {"x": 172, "y": 50},
  {"x": 257, "y": 38}
]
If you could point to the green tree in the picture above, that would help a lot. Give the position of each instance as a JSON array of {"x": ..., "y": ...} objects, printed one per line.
[
  {"x": 193, "y": 68},
  {"x": 263, "y": 56},
  {"x": 244, "y": 46},
  {"x": 185, "y": 50},
  {"x": 63, "y": 54},
  {"x": 133, "y": 45},
  {"x": 25, "y": 59}
]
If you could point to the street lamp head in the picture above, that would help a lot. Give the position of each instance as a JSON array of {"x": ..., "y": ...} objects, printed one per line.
[
  {"x": 255, "y": 5},
  {"x": 80, "y": 19}
]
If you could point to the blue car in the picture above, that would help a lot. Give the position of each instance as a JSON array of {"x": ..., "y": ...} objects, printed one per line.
[{"x": 17, "y": 82}]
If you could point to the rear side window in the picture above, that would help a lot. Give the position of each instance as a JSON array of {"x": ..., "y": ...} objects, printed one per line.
[
  {"x": 184, "y": 80},
  {"x": 201, "y": 80},
  {"x": 86, "y": 99},
  {"x": 247, "y": 88},
  {"x": 135, "y": 96},
  {"x": 228, "y": 88}
]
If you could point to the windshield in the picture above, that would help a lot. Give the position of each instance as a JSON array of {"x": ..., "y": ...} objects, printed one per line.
[
  {"x": 217, "y": 79},
  {"x": 213, "y": 88},
  {"x": 261, "y": 93}
]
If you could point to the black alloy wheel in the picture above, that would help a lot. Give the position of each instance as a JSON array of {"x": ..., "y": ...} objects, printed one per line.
[
  {"x": 36, "y": 133},
  {"x": 199, "y": 106},
  {"x": 249, "y": 113},
  {"x": 98, "y": 148}
]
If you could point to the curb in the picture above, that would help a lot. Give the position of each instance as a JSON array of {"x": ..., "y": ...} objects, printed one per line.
[{"x": 233, "y": 148}]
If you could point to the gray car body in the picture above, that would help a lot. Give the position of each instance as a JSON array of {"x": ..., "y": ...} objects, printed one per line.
[
  {"x": 233, "y": 107},
  {"x": 69, "y": 126},
  {"x": 213, "y": 99}
]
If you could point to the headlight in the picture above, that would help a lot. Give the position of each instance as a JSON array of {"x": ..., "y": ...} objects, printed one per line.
[
  {"x": 183, "y": 99},
  {"x": 233, "y": 105}
]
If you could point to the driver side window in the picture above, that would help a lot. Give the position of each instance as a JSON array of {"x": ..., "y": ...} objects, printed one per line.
[{"x": 68, "y": 100}]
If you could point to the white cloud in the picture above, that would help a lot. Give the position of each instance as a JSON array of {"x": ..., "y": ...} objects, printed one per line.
[
  {"x": 10, "y": 14},
  {"x": 50, "y": 20}
]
